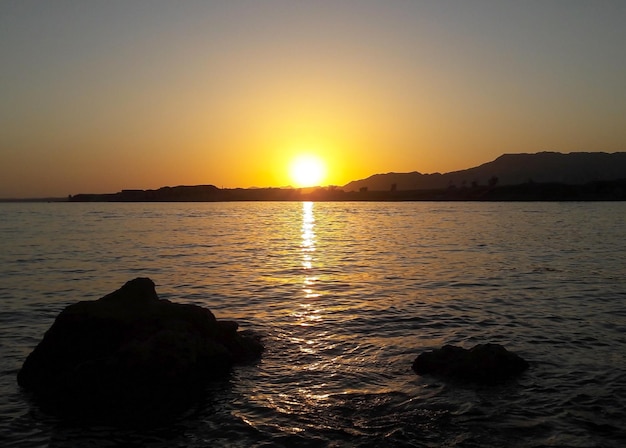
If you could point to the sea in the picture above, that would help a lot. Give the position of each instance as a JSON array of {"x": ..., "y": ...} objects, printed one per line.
[{"x": 345, "y": 296}]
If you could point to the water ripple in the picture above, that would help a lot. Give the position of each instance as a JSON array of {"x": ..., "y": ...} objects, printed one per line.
[{"x": 345, "y": 295}]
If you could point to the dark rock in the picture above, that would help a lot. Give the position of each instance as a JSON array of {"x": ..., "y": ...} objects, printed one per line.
[
  {"x": 484, "y": 363},
  {"x": 131, "y": 356}
]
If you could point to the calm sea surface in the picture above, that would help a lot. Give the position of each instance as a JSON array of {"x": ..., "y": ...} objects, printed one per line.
[{"x": 346, "y": 295}]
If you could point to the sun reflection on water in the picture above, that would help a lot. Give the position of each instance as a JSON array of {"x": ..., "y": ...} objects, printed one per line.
[
  {"x": 308, "y": 249},
  {"x": 308, "y": 335}
]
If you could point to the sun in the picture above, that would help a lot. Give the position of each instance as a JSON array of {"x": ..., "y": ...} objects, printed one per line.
[{"x": 307, "y": 170}]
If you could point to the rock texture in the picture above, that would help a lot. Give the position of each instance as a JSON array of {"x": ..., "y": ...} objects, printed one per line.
[
  {"x": 483, "y": 364},
  {"x": 131, "y": 356}
]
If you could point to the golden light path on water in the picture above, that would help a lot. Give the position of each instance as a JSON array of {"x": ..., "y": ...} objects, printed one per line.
[
  {"x": 310, "y": 312},
  {"x": 308, "y": 388},
  {"x": 308, "y": 249},
  {"x": 321, "y": 366}
]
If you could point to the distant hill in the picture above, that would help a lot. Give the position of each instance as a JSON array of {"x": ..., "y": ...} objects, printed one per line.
[
  {"x": 575, "y": 168},
  {"x": 545, "y": 176}
]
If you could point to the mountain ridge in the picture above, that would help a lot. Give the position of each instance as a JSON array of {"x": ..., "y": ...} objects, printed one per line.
[
  {"x": 573, "y": 168},
  {"x": 545, "y": 176}
]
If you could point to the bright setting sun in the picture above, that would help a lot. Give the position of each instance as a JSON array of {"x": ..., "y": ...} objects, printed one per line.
[{"x": 307, "y": 171}]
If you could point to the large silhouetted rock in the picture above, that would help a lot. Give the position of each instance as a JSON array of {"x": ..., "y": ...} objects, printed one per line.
[
  {"x": 484, "y": 363},
  {"x": 131, "y": 356}
]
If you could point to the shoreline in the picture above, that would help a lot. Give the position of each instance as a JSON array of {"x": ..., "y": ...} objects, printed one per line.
[{"x": 528, "y": 192}]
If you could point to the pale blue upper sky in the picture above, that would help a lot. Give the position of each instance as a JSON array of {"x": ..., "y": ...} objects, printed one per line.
[{"x": 101, "y": 96}]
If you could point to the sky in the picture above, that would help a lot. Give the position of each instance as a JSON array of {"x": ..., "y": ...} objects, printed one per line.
[{"x": 97, "y": 97}]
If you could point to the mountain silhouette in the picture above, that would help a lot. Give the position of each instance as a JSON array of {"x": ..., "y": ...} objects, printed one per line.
[
  {"x": 575, "y": 168},
  {"x": 545, "y": 176}
]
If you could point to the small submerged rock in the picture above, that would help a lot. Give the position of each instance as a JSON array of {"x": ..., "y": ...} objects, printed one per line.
[
  {"x": 483, "y": 364},
  {"x": 130, "y": 356}
]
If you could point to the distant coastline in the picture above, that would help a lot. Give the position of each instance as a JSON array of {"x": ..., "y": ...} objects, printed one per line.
[
  {"x": 543, "y": 176},
  {"x": 9, "y": 200},
  {"x": 531, "y": 191}
]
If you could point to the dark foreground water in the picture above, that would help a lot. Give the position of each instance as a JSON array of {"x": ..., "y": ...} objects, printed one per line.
[{"x": 346, "y": 296}]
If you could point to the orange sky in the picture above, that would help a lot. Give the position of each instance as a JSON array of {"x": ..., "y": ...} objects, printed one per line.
[{"x": 113, "y": 95}]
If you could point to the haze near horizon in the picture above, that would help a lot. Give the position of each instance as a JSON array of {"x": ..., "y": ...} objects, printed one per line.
[{"x": 100, "y": 97}]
